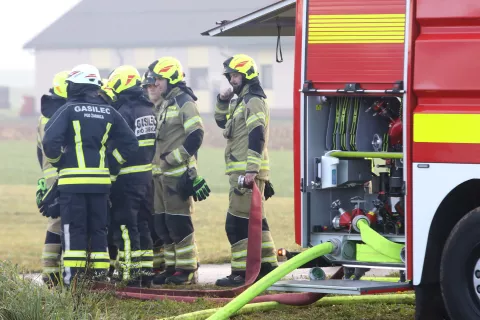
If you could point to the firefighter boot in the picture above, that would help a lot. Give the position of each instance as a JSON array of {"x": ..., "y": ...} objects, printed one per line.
[
  {"x": 113, "y": 253},
  {"x": 142, "y": 281},
  {"x": 147, "y": 281},
  {"x": 236, "y": 279},
  {"x": 51, "y": 280},
  {"x": 159, "y": 278},
  {"x": 183, "y": 277},
  {"x": 265, "y": 269}
]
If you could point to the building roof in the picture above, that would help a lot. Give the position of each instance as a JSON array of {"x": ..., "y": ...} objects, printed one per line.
[{"x": 144, "y": 23}]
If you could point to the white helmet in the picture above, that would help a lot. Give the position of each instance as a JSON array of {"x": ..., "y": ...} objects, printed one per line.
[{"x": 85, "y": 74}]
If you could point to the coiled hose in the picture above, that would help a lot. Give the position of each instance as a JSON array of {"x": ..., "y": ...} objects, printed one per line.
[
  {"x": 328, "y": 301},
  {"x": 369, "y": 236}
]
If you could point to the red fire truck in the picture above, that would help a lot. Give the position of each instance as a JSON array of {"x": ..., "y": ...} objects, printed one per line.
[{"x": 385, "y": 113}]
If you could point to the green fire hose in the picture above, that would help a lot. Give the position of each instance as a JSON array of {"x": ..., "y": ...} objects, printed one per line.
[
  {"x": 267, "y": 281},
  {"x": 366, "y": 154},
  {"x": 369, "y": 236},
  {"x": 375, "y": 241},
  {"x": 376, "y": 245},
  {"x": 328, "y": 301}
]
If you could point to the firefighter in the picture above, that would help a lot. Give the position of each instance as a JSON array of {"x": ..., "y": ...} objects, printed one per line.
[
  {"x": 179, "y": 136},
  {"x": 158, "y": 251},
  {"x": 130, "y": 191},
  {"x": 52, "y": 249},
  {"x": 109, "y": 96},
  {"x": 246, "y": 124},
  {"x": 75, "y": 143}
]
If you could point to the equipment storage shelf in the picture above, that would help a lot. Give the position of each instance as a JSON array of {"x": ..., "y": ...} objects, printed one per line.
[
  {"x": 354, "y": 171},
  {"x": 316, "y": 237}
]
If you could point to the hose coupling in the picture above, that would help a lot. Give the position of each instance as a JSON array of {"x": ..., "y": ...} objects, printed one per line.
[
  {"x": 356, "y": 220},
  {"x": 337, "y": 246}
]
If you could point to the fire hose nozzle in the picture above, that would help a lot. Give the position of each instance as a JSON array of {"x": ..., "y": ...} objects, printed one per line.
[{"x": 356, "y": 220}]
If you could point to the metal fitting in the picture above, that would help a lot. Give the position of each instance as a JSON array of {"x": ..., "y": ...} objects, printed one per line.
[
  {"x": 356, "y": 220},
  {"x": 337, "y": 246},
  {"x": 336, "y": 222},
  {"x": 241, "y": 183},
  {"x": 316, "y": 273}
]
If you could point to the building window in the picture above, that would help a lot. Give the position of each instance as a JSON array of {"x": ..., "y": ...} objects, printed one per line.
[
  {"x": 266, "y": 76},
  {"x": 198, "y": 78}
]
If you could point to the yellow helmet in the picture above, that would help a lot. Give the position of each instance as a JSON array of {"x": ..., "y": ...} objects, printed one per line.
[
  {"x": 59, "y": 84},
  {"x": 107, "y": 92},
  {"x": 167, "y": 68},
  {"x": 241, "y": 63},
  {"x": 123, "y": 78}
]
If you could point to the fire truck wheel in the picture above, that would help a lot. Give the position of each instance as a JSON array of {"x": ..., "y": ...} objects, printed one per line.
[{"x": 460, "y": 269}]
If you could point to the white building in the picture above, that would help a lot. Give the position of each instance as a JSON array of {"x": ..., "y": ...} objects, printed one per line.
[{"x": 108, "y": 33}]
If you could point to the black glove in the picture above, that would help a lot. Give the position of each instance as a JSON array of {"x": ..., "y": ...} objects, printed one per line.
[
  {"x": 50, "y": 206},
  {"x": 41, "y": 190},
  {"x": 191, "y": 184},
  {"x": 201, "y": 191},
  {"x": 269, "y": 191}
]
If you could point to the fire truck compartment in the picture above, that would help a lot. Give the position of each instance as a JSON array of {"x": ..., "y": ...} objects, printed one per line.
[{"x": 356, "y": 169}]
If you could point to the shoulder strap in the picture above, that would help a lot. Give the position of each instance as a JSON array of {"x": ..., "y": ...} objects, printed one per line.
[{"x": 182, "y": 98}]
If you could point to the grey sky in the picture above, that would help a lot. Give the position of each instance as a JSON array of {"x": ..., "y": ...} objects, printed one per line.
[{"x": 20, "y": 21}]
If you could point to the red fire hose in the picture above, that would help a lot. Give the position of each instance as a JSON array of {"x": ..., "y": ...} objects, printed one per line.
[
  {"x": 292, "y": 299},
  {"x": 254, "y": 246}
]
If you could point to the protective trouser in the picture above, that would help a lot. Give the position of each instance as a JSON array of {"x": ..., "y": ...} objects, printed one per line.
[
  {"x": 173, "y": 224},
  {"x": 158, "y": 256},
  {"x": 84, "y": 233},
  {"x": 236, "y": 226},
  {"x": 130, "y": 227},
  {"x": 52, "y": 251},
  {"x": 112, "y": 248},
  {"x": 52, "y": 248}
]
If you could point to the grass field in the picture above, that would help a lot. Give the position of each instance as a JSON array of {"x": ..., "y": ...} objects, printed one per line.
[
  {"x": 24, "y": 228},
  {"x": 19, "y": 166},
  {"x": 22, "y": 299}
]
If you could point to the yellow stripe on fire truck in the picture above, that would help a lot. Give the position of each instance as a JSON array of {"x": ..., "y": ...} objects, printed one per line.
[
  {"x": 356, "y": 28},
  {"x": 446, "y": 128}
]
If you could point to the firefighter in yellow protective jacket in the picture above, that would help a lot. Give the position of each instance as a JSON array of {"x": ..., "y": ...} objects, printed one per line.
[
  {"x": 245, "y": 122},
  {"x": 179, "y": 136},
  {"x": 154, "y": 94},
  {"x": 52, "y": 250}
]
